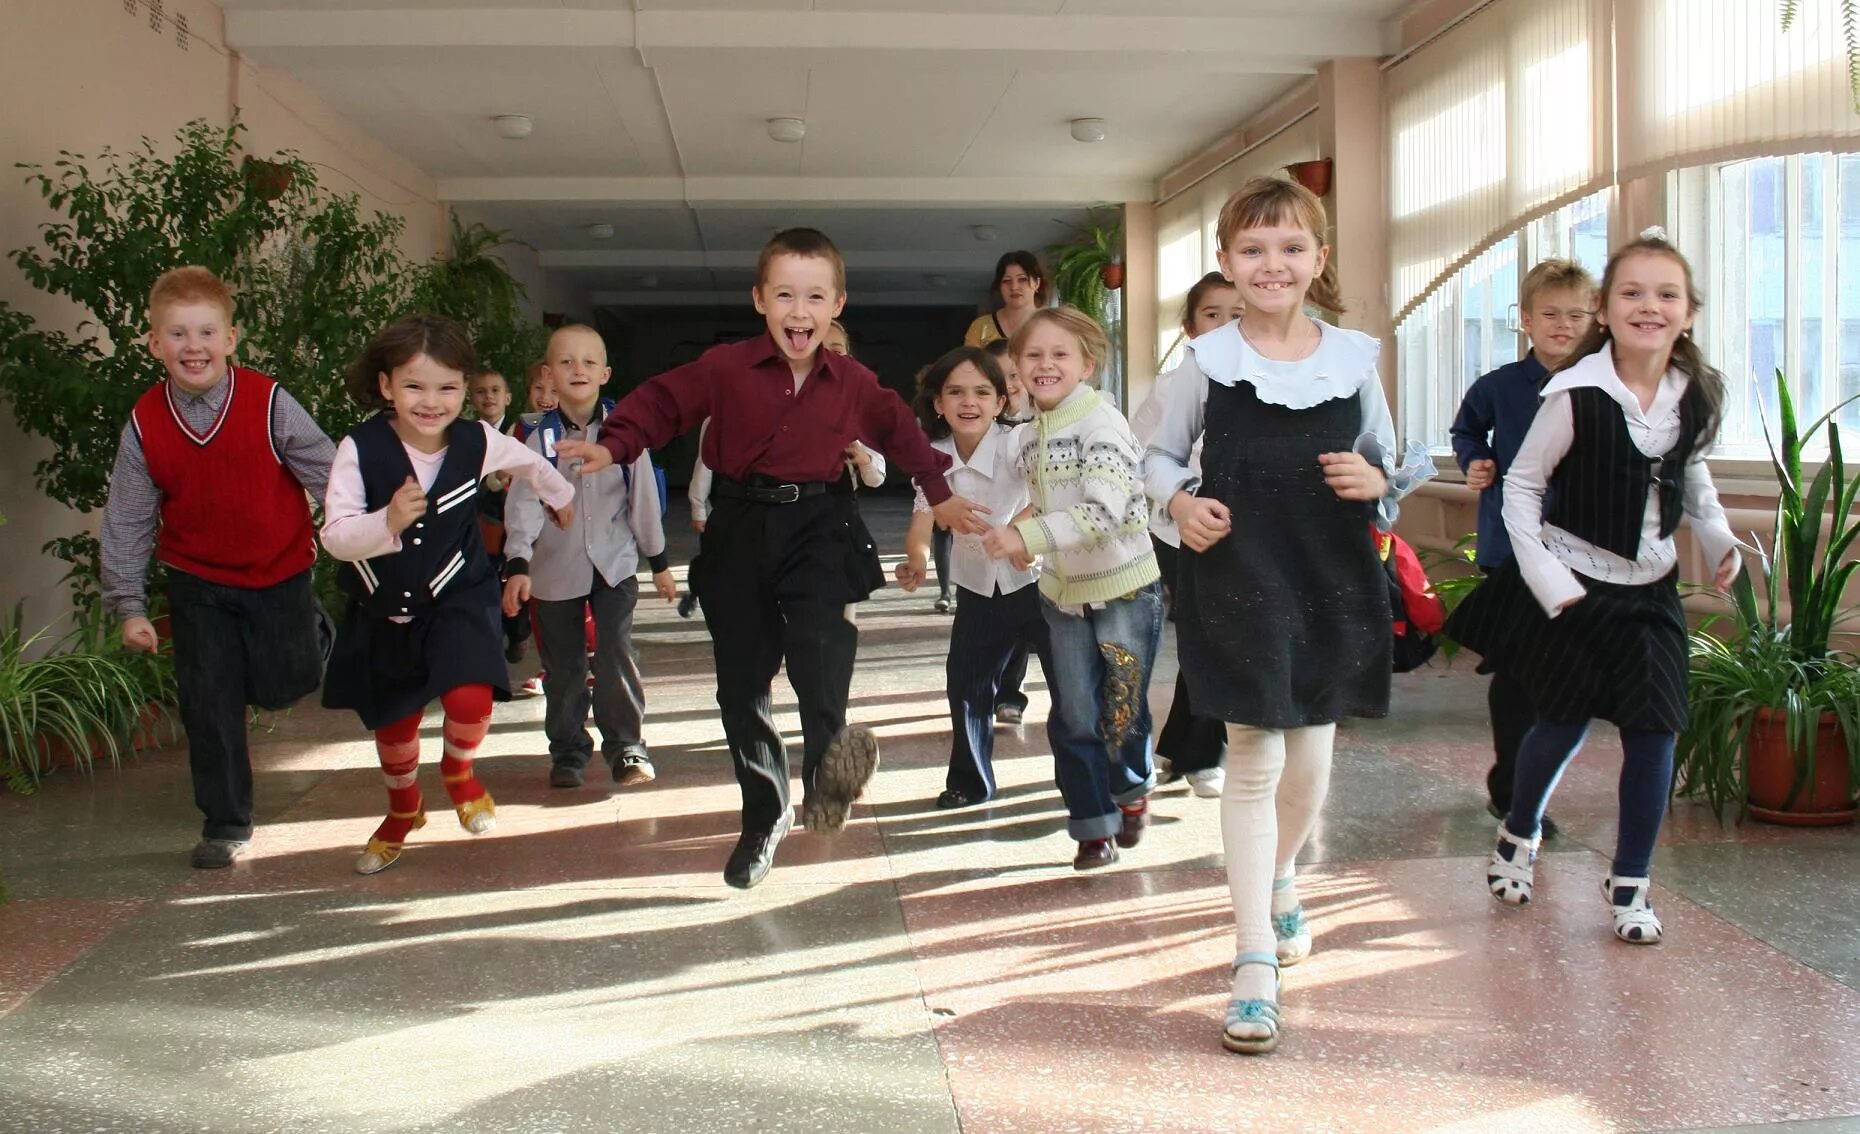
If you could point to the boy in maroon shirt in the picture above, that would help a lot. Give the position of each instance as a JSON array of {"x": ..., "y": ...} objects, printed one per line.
[{"x": 778, "y": 568}]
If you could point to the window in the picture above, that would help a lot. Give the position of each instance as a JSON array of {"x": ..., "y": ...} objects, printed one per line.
[
  {"x": 1779, "y": 261},
  {"x": 1469, "y": 324}
]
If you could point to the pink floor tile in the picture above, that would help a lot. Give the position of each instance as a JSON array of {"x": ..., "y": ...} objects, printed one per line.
[{"x": 44, "y": 935}]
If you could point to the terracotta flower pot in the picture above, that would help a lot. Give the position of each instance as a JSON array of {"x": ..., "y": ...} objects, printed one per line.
[
  {"x": 1313, "y": 175},
  {"x": 1825, "y": 801},
  {"x": 1112, "y": 275},
  {"x": 266, "y": 180}
]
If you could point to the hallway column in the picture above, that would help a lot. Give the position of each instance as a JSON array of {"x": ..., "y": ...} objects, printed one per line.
[
  {"x": 1139, "y": 303},
  {"x": 1351, "y": 124}
]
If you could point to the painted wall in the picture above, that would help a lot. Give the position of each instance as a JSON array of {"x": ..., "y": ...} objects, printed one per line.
[{"x": 85, "y": 74}]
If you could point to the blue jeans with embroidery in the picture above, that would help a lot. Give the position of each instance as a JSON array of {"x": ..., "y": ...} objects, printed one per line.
[{"x": 1099, "y": 725}]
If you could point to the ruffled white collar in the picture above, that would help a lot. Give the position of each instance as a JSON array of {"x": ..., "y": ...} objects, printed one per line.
[{"x": 1336, "y": 369}]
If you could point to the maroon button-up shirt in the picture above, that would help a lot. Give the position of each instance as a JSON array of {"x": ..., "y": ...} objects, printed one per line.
[{"x": 758, "y": 424}]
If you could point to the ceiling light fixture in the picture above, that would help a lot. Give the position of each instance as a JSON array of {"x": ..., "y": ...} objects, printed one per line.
[
  {"x": 1088, "y": 129},
  {"x": 787, "y": 129},
  {"x": 601, "y": 230},
  {"x": 513, "y": 126},
  {"x": 985, "y": 231}
]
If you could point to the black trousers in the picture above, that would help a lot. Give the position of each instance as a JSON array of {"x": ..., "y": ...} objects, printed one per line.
[
  {"x": 990, "y": 632},
  {"x": 233, "y": 647},
  {"x": 775, "y": 582},
  {"x": 1190, "y": 743},
  {"x": 1509, "y": 701}
]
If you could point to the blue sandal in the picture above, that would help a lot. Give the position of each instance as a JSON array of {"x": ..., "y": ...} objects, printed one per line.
[
  {"x": 1253, "y": 1013},
  {"x": 1290, "y": 931}
]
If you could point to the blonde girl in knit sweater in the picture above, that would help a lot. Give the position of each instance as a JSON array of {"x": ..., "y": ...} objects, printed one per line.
[{"x": 1099, "y": 586}]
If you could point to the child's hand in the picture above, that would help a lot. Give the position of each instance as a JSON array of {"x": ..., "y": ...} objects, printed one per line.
[
  {"x": 961, "y": 515},
  {"x": 1023, "y": 562},
  {"x": 859, "y": 457},
  {"x": 1202, "y": 521},
  {"x": 139, "y": 634},
  {"x": 1725, "y": 576},
  {"x": 563, "y": 517},
  {"x": 1481, "y": 474},
  {"x": 516, "y": 593},
  {"x": 593, "y": 456},
  {"x": 407, "y": 505},
  {"x": 911, "y": 574},
  {"x": 697, "y": 526},
  {"x": 667, "y": 586},
  {"x": 1352, "y": 477},
  {"x": 1005, "y": 543},
  {"x": 496, "y": 482}
]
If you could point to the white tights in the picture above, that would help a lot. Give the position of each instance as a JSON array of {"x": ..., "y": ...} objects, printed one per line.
[{"x": 1276, "y": 783}]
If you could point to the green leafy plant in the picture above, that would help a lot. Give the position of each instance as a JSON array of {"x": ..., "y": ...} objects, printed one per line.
[
  {"x": 1850, "y": 37},
  {"x": 475, "y": 287},
  {"x": 1077, "y": 266},
  {"x": 1452, "y": 573},
  {"x": 1764, "y": 662},
  {"x": 83, "y": 701}
]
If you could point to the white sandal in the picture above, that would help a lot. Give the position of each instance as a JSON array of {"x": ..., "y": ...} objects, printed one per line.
[
  {"x": 1508, "y": 878},
  {"x": 1635, "y": 922}
]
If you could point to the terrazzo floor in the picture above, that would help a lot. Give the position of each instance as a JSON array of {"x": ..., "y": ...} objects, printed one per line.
[{"x": 585, "y": 968}]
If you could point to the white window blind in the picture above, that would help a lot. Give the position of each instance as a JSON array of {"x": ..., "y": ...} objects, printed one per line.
[
  {"x": 1710, "y": 80},
  {"x": 1501, "y": 118}
]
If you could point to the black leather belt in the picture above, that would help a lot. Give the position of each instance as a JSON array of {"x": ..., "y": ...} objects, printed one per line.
[{"x": 766, "y": 490}]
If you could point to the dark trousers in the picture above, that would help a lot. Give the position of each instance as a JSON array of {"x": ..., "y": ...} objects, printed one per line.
[
  {"x": 618, "y": 697},
  {"x": 1646, "y": 787},
  {"x": 1191, "y": 743},
  {"x": 941, "y": 542},
  {"x": 1013, "y": 678},
  {"x": 1509, "y": 702},
  {"x": 989, "y": 631},
  {"x": 775, "y": 583},
  {"x": 233, "y": 647},
  {"x": 516, "y": 626}
]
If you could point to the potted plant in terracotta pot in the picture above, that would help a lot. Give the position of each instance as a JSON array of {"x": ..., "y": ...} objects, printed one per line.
[
  {"x": 1090, "y": 266},
  {"x": 1775, "y": 706}
]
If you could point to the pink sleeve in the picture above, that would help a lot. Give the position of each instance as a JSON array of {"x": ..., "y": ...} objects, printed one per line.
[
  {"x": 350, "y": 531},
  {"x": 507, "y": 454}
]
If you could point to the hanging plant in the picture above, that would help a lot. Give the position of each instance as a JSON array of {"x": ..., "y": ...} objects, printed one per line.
[{"x": 1088, "y": 267}]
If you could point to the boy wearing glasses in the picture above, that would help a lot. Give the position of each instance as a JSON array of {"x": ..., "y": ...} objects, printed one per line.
[{"x": 1556, "y": 305}]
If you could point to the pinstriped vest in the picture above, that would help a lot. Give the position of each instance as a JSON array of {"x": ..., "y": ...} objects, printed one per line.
[
  {"x": 1598, "y": 492},
  {"x": 441, "y": 554}
]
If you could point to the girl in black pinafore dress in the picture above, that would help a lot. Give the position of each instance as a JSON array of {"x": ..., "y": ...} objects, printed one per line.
[
  {"x": 1282, "y": 612},
  {"x": 423, "y": 620}
]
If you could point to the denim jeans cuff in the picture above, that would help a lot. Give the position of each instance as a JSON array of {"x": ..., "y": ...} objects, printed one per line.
[
  {"x": 1138, "y": 792},
  {"x": 1099, "y": 827}
]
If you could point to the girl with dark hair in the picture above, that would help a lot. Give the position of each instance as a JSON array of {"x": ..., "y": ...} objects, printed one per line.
[
  {"x": 423, "y": 619},
  {"x": 960, "y": 399},
  {"x": 1019, "y": 290},
  {"x": 1586, "y": 614}
]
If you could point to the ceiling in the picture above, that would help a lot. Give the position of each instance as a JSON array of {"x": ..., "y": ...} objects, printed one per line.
[{"x": 925, "y": 119}]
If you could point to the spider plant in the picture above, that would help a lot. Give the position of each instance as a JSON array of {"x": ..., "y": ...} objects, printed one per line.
[{"x": 85, "y": 701}]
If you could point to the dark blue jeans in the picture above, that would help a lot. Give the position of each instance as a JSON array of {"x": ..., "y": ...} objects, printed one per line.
[
  {"x": 1100, "y": 721},
  {"x": 989, "y": 631},
  {"x": 233, "y": 647}
]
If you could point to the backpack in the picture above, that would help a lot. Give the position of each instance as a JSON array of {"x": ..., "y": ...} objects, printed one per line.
[
  {"x": 1418, "y": 612},
  {"x": 551, "y": 425}
]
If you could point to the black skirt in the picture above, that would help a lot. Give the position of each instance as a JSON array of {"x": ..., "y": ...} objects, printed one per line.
[
  {"x": 1618, "y": 655},
  {"x": 387, "y": 671}
]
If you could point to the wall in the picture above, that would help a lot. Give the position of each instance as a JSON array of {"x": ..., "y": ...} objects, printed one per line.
[{"x": 85, "y": 74}]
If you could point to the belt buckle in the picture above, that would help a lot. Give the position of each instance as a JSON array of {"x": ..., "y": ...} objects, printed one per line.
[{"x": 786, "y": 493}]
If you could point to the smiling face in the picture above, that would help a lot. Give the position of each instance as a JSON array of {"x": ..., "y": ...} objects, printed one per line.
[
  {"x": 1016, "y": 391},
  {"x": 1052, "y": 363},
  {"x": 1649, "y": 303},
  {"x": 490, "y": 397},
  {"x": 836, "y": 341},
  {"x": 542, "y": 397},
  {"x": 426, "y": 397},
  {"x": 799, "y": 302},
  {"x": 969, "y": 402},
  {"x": 1272, "y": 266},
  {"x": 1215, "y": 307},
  {"x": 577, "y": 368},
  {"x": 193, "y": 340},
  {"x": 1556, "y": 319}
]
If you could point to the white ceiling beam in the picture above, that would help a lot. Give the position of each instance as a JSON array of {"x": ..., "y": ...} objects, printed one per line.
[
  {"x": 257, "y": 30},
  {"x": 1221, "y": 44},
  {"x": 855, "y": 298},
  {"x": 745, "y": 259},
  {"x": 846, "y": 192}
]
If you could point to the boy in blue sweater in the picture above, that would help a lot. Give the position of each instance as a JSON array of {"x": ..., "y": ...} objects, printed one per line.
[{"x": 1555, "y": 305}]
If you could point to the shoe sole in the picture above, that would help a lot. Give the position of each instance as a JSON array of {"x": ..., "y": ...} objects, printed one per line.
[
  {"x": 1240, "y": 1046},
  {"x": 845, "y": 769}
]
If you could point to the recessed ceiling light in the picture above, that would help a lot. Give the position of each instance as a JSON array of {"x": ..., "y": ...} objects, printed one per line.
[
  {"x": 787, "y": 129},
  {"x": 513, "y": 126},
  {"x": 1088, "y": 129},
  {"x": 601, "y": 230},
  {"x": 984, "y": 232}
]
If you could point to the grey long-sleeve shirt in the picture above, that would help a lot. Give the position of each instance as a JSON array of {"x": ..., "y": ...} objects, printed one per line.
[{"x": 133, "y": 509}]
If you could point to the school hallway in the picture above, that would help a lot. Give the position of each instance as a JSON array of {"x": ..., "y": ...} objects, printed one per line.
[{"x": 585, "y": 968}]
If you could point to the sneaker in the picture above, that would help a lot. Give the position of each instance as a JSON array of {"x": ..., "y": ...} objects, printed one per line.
[
  {"x": 1208, "y": 783},
  {"x": 845, "y": 768},
  {"x": 755, "y": 853},
  {"x": 214, "y": 854},
  {"x": 564, "y": 776},
  {"x": 632, "y": 768},
  {"x": 687, "y": 604},
  {"x": 532, "y": 687},
  {"x": 1008, "y": 715},
  {"x": 941, "y": 605}
]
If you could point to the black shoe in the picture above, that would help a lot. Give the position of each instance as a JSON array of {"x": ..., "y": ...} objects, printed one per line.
[
  {"x": 953, "y": 798},
  {"x": 564, "y": 776},
  {"x": 214, "y": 854},
  {"x": 755, "y": 853},
  {"x": 687, "y": 603}
]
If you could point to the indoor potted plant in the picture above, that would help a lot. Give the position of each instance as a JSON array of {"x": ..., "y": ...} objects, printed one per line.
[
  {"x": 1090, "y": 266},
  {"x": 1775, "y": 707}
]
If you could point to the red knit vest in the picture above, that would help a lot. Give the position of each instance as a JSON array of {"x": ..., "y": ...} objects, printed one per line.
[{"x": 231, "y": 512}]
